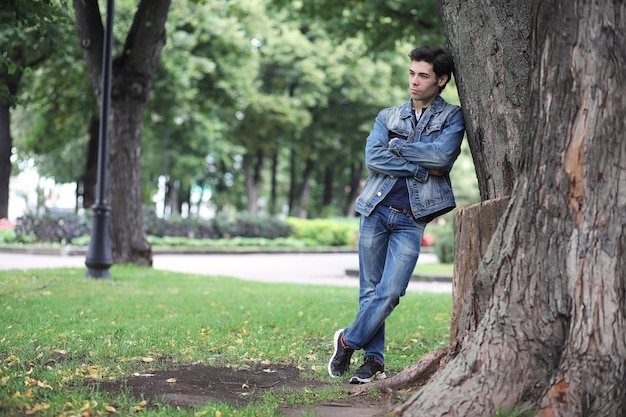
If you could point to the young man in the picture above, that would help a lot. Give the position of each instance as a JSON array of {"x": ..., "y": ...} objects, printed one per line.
[{"x": 409, "y": 153}]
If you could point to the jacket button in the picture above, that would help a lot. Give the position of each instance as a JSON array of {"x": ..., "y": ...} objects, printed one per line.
[{"x": 379, "y": 194}]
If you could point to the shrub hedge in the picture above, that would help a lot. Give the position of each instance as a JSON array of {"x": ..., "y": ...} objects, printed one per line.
[
  {"x": 240, "y": 230},
  {"x": 71, "y": 228}
]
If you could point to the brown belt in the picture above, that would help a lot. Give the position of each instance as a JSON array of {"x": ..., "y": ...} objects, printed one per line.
[{"x": 403, "y": 211}]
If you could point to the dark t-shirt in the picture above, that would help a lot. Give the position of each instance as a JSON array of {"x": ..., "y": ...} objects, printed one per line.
[{"x": 398, "y": 196}]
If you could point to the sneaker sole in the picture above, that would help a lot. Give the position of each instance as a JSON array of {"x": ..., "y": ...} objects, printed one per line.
[
  {"x": 336, "y": 345},
  {"x": 357, "y": 380}
]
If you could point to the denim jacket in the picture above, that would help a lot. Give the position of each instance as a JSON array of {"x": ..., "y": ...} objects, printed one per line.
[{"x": 396, "y": 149}]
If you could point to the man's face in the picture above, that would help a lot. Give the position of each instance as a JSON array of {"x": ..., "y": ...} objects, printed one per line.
[{"x": 423, "y": 83}]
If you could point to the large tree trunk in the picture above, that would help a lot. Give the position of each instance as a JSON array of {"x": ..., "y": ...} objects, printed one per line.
[
  {"x": 131, "y": 85},
  {"x": 552, "y": 337},
  {"x": 489, "y": 41},
  {"x": 128, "y": 241}
]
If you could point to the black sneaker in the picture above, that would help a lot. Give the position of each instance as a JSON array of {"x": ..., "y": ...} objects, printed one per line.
[
  {"x": 372, "y": 369},
  {"x": 340, "y": 361}
]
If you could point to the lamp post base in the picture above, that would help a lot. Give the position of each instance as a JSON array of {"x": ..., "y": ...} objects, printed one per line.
[
  {"x": 98, "y": 273},
  {"x": 99, "y": 258}
]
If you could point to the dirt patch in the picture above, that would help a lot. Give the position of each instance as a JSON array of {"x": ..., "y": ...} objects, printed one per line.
[{"x": 201, "y": 384}]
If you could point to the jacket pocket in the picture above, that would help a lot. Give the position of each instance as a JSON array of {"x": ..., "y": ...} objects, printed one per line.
[
  {"x": 397, "y": 133},
  {"x": 432, "y": 128}
]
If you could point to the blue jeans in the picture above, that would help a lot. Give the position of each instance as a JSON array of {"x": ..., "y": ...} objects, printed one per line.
[{"x": 389, "y": 245}]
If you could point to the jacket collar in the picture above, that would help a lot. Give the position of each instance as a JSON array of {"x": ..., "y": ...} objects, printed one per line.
[{"x": 435, "y": 107}]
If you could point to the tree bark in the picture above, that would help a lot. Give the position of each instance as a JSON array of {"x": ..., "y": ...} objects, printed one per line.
[
  {"x": 552, "y": 336},
  {"x": 473, "y": 227},
  {"x": 131, "y": 85},
  {"x": 489, "y": 42}
]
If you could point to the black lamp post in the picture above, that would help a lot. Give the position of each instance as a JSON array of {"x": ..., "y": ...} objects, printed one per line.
[{"x": 99, "y": 258}]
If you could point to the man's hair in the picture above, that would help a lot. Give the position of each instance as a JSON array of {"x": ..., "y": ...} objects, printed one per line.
[{"x": 442, "y": 62}]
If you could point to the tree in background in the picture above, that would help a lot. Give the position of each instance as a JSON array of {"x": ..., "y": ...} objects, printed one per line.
[
  {"x": 235, "y": 82},
  {"x": 30, "y": 33},
  {"x": 369, "y": 41},
  {"x": 58, "y": 120},
  {"x": 206, "y": 71},
  {"x": 254, "y": 95},
  {"x": 132, "y": 77}
]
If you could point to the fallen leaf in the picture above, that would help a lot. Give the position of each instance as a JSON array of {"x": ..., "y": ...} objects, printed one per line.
[
  {"x": 43, "y": 385},
  {"x": 171, "y": 380},
  {"x": 30, "y": 382},
  {"x": 86, "y": 408},
  {"x": 141, "y": 406},
  {"x": 37, "y": 408}
]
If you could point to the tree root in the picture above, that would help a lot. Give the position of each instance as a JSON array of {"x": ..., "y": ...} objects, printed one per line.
[{"x": 414, "y": 376}]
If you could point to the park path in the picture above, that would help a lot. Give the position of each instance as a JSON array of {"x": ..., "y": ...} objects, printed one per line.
[{"x": 300, "y": 268}]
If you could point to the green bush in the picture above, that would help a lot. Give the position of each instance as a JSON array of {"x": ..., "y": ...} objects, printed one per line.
[
  {"x": 238, "y": 231},
  {"x": 7, "y": 236},
  {"x": 325, "y": 232},
  {"x": 444, "y": 242}
]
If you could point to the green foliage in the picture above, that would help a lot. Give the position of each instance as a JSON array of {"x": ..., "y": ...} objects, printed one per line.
[
  {"x": 60, "y": 330},
  {"x": 444, "y": 242},
  {"x": 30, "y": 31},
  {"x": 206, "y": 70},
  {"x": 238, "y": 81},
  {"x": 325, "y": 232},
  {"x": 7, "y": 237},
  {"x": 382, "y": 23},
  {"x": 433, "y": 269}
]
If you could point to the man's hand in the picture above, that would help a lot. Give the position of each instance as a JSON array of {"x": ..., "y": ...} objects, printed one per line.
[
  {"x": 436, "y": 172},
  {"x": 395, "y": 145}
]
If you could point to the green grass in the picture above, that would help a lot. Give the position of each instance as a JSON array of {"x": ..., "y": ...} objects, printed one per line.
[
  {"x": 434, "y": 269},
  {"x": 59, "y": 328}
]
